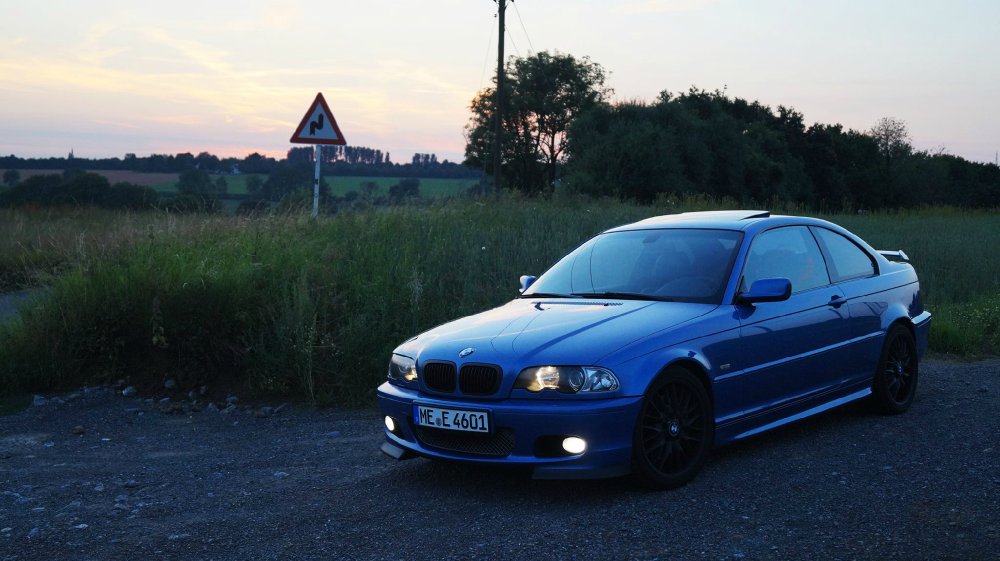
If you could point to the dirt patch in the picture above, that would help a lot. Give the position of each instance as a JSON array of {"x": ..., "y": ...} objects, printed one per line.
[{"x": 114, "y": 176}]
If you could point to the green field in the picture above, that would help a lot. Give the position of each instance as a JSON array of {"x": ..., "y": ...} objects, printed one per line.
[
  {"x": 283, "y": 305},
  {"x": 339, "y": 186}
]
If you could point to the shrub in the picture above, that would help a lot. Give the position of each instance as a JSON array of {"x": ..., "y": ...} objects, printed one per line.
[{"x": 285, "y": 305}]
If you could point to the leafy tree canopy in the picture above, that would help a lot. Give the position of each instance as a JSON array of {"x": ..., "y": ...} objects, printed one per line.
[
  {"x": 711, "y": 143},
  {"x": 543, "y": 93}
]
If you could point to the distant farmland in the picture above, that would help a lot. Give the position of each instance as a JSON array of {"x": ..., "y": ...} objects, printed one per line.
[
  {"x": 114, "y": 176},
  {"x": 167, "y": 182}
]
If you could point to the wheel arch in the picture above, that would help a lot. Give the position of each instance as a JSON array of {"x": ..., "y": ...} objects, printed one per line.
[
  {"x": 691, "y": 365},
  {"x": 905, "y": 322},
  {"x": 900, "y": 319},
  {"x": 896, "y": 314}
]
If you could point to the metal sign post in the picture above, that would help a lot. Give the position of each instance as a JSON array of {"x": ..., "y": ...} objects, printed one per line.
[
  {"x": 318, "y": 127},
  {"x": 317, "y": 156}
]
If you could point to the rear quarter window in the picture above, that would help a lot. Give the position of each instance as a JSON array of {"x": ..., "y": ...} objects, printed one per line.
[{"x": 845, "y": 259}]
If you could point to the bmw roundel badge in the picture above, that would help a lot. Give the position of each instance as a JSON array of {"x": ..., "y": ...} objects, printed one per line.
[{"x": 466, "y": 352}]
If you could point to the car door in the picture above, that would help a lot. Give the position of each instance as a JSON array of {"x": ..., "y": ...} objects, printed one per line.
[
  {"x": 791, "y": 347},
  {"x": 851, "y": 268}
]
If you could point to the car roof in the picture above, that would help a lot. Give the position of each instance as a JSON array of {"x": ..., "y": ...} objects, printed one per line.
[{"x": 715, "y": 219}]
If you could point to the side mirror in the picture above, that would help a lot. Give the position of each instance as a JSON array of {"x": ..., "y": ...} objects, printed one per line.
[
  {"x": 767, "y": 290},
  {"x": 526, "y": 281}
]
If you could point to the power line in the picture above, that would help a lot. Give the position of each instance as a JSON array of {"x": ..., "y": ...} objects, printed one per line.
[
  {"x": 486, "y": 59},
  {"x": 513, "y": 44},
  {"x": 525, "y": 29}
]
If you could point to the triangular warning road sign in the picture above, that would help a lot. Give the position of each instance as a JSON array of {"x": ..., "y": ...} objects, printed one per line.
[{"x": 318, "y": 126}]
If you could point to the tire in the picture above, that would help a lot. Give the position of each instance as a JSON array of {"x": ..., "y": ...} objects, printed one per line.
[
  {"x": 895, "y": 381},
  {"x": 674, "y": 432}
]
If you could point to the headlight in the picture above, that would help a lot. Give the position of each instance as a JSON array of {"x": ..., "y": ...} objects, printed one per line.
[
  {"x": 402, "y": 369},
  {"x": 567, "y": 379}
]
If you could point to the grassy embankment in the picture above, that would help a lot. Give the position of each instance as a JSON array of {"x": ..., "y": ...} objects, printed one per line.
[{"x": 285, "y": 306}]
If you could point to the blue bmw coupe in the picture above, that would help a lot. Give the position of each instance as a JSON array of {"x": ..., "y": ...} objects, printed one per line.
[{"x": 654, "y": 342}]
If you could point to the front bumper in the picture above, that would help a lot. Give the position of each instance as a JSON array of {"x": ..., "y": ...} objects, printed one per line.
[{"x": 606, "y": 424}]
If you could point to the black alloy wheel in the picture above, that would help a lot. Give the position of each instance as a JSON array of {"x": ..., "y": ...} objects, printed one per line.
[
  {"x": 895, "y": 381},
  {"x": 674, "y": 431}
]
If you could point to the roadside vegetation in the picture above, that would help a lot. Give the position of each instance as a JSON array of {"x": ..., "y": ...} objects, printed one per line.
[
  {"x": 282, "y": 305},
  {"x": 218, "y": 278}
]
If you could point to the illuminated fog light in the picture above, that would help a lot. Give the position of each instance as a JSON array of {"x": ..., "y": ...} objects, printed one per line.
[
  {"x": 390, "y": 424},
  {"x": 574, "y": 445}
]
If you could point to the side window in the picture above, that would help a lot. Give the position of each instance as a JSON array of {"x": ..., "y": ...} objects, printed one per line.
[
  {"x": 847, "y": 261},
  {"x": 791, "y": 253}
]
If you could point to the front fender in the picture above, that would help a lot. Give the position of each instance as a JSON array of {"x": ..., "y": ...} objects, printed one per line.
[
  {"x": 713, "y": 357},
  {"x": 644, "y": 370}
]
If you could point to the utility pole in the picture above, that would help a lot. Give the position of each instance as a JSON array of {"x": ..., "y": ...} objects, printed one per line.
[{"x": 498, "y": 99}]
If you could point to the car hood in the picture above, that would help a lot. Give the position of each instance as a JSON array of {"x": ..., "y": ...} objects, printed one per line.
[{"x": 549, "y": 331}]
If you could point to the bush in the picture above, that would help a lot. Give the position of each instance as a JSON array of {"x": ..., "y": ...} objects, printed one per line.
[
  {"x": 285, "y": 305},
  {"x": 190, "y": 203},
  {"x": 969, "y": 329},
  {"x": 78, "y": 188}
]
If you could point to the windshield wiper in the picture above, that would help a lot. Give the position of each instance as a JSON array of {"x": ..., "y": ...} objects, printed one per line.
[
  {"x": 546, "y": 295},
  {"x": 622, "y": 296}
]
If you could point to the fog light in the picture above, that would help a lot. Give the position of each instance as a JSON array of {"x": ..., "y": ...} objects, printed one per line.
[
  {"x": 390, "y": 423},
  {"x": 574, "y": 445}
]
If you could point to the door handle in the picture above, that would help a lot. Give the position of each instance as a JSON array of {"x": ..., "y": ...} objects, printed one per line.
[{"x": 836, "y": 301}]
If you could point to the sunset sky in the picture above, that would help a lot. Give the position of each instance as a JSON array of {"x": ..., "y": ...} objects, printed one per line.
[{"x": 108, "y": 77}]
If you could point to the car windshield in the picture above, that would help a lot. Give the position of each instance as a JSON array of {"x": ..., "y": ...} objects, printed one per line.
[{"x": 683, "y": 265}]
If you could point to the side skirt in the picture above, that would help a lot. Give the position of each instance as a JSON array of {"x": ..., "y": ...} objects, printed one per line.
[{"x": 737, "y": 430}]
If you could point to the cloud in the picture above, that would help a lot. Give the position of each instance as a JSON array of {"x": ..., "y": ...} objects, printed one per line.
[
  {"x": 117, "y": 78},
  {"x": 660, "y": 6},
  {"x": 90, "y": 50}
]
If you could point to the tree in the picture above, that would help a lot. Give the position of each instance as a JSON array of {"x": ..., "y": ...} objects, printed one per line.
[
  {"x": 892, "y": 137},
  {"x": 130, "y": 196},
  {"x": 408, "y": 188},
  {"x": 893, "y": 141},
  {"x": 257, "y": 163},
  {"x": 184, "y": 160},
  {"x": 221, "y": 186},
  {"x": 300, "y": 155},
  {"x": 287, "y": 178},
  {"x": 195, "y": 182},
  {"x": 206, "y": 161},
  {"x": 545, "y": 93},
  {"x": 254, "y": 185},
  {"x": 11, "y": 177}
]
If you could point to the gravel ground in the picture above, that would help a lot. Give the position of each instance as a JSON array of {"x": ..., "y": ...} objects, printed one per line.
[{"x": 95, "y": 475}]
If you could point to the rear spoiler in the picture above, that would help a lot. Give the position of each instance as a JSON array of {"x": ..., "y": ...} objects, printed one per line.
[{"x": 897, "y": 256}]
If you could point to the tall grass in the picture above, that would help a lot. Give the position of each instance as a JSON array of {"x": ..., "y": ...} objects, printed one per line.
[
  {"x": 283, "y": 305},
  {"x": 39, "y": 244}
]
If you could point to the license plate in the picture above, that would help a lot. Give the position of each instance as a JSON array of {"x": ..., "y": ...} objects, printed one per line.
[{"x": 451, "y": 419}]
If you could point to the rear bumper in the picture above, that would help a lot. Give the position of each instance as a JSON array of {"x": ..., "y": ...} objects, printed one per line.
[{"x": 605, "y": 424}]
